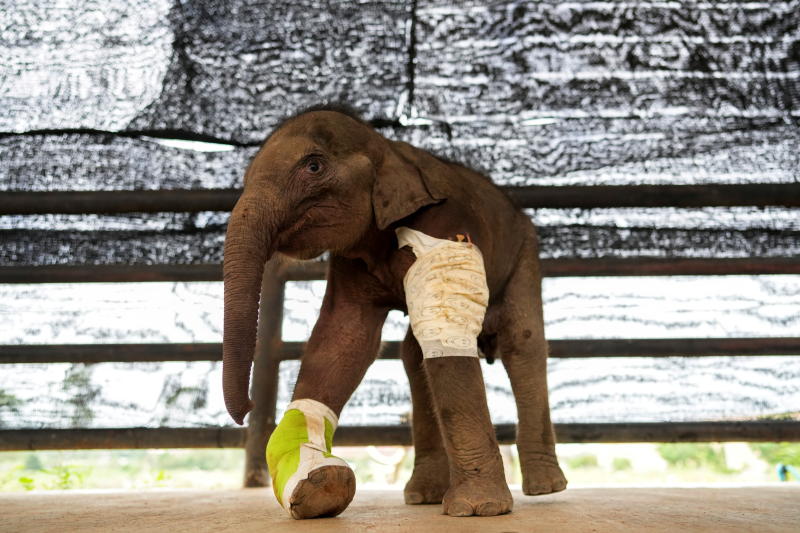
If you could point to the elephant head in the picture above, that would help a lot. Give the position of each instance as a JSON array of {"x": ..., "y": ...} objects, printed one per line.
[{"x": 321, "y": 182}]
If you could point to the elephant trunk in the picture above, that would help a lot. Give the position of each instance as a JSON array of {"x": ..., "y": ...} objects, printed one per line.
[{"x": 249, "y": 243}]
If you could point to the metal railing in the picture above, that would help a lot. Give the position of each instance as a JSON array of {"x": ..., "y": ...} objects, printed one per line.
[{"x": 271, "y": 350}]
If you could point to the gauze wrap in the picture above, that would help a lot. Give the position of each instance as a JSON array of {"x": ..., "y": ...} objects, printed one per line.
[
  {"x": 300, "y": 443},
  {"x": 446, "y": 294}
]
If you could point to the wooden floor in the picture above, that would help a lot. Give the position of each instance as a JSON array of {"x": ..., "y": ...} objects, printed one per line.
[{"x": 757, "y": 509}]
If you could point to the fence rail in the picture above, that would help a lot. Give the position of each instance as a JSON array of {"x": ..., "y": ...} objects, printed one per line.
[
  {"x": 581, "y": 196},
  {"x": 572, "y": 348},
  {"x": 306, "y": 271},
  {"x": 231, "y": 437},
  {"x": 267, "y": 364}
]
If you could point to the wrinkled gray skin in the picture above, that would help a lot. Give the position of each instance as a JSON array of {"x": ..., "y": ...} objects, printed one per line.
[{"x": 325, "y": 181}]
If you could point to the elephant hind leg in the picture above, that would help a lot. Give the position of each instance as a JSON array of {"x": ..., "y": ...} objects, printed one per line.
[
  {"x": 523, "y": 347},
  {"x": 431, "y": 476}
]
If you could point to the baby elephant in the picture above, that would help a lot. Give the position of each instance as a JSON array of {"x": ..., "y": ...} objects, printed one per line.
[{"x": 405, "y": 230}]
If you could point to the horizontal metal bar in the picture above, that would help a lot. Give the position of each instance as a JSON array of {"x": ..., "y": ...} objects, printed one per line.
[
  {"x": 589, "y": 196},
  {"x": 114, "y": 202},
  {"x": 313, "y": 270},
  {"x": 109, "y": 273},
  {"x": 78, "y": 202},
  {"x": 673, "y": 266},
  {"x": 231, "y": 437},
  {"x": 578, "y": 348},
  {"x": 138, "y": 353},
  {"x": 109, "y": 353}
]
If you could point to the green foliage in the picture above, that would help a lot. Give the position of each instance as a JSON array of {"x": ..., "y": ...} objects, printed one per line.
[
  {"x": 778, "y": 452},
  {"x": 8, "y": 403},
  {"x": 792, "y": 415},
  {"x": 582, "y": 461},
  {"x": 26, "y": 482},
  {"x": 32, "y": 462},
  {"x": 694, "y": 455},
  {"x": 78, "y": 382},
  {"x": 190, "y": 461},
  {"x": 67, "y": 476},
  {"x": 59, "y": 477},
  {"x": 362, "y": 467},
  {"x": 621, "y": 463}
]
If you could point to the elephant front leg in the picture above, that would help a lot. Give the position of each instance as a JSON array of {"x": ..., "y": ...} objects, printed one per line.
[
  {"x": 431, "y": 476},
  {"x": 308, "y": 480},
  {"x": 477, "y": 479},
  {"x": 447, "y": 295}
]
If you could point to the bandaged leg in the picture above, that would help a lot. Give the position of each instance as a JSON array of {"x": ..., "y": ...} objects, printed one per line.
[
  {"x": 446, "y": 294},
  {"x": 307, "y": 480}
]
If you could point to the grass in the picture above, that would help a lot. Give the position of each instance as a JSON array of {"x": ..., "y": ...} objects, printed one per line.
[
  {"x": 390, "y": 467},
  {"x": 121, "y": 469}
]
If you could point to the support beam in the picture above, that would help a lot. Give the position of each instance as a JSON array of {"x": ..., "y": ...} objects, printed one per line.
[
  {"x": 109, "y": 273},
  {"x": 116, "y": 202},
  {"x": 580, "y": 196},
  {"x": 109, "y": 353},
  {"x": 231, "y": 437},
  {"x": 313, "y": 270},
  {"x": 153, "y": 353},
  {"x": 591, "y": 196},
  {"x": 578, "y": 348}
]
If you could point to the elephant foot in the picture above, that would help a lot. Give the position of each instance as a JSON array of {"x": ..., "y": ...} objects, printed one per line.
[
  {"x": 542, "y": 475},
  {"x": 429, "y": 481},
  {"x": 478, "y": 496},
  {"x": 327, "y": 491}
]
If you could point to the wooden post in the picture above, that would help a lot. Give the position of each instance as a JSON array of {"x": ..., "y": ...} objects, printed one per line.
[{"x": 264, "y": 388}]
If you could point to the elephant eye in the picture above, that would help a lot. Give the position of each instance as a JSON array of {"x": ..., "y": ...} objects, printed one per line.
[{"x": 314, "y": 166}]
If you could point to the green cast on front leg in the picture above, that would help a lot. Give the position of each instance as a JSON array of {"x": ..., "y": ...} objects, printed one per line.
[{"x": 300, "y": 460}]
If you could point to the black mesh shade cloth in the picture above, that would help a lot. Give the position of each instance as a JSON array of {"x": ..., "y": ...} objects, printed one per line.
[{"x": 97, "y": 97}]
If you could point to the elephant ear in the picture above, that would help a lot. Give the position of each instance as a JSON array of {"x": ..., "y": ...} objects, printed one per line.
[{"x": 403, "y": 184}]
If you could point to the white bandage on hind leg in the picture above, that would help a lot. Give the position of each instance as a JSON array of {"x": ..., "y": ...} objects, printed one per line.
[
  {"x": 446, "y": 294},
  {"x": 300, "y": 444}
]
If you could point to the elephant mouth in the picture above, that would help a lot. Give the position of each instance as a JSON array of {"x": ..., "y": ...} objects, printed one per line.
[{"x": 306, "y": 221}]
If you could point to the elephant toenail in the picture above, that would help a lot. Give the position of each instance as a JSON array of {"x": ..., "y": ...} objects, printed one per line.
[
  {"x": 488, "y": 509},
  {"x": 461, "y": 508},
  {"x": 414, "y": 498}
]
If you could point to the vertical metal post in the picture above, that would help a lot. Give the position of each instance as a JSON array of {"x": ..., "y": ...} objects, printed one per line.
[{"x": 264, "y": 388}]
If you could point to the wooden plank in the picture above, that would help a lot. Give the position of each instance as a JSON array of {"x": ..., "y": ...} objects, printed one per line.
[
  {"x": 578, "y": 348},
  {"x": 110, "y": 353},
  {"x": 675, "y": 347},
  {"x": 109, "y": 273},
  {"x": 230, "y": 437},
  {"x": 157, "y": 352},
  {"x": 79, "y": 202},
  {"x": 669, "y": 266},
  {"x": 314, "y": 270},
  {"x": 783, "y": 194},
  {"x": 88, "y": 439}
]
